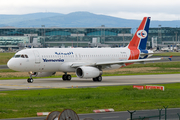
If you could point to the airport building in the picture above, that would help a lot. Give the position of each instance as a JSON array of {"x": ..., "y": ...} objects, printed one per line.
[
  {"x": 11, "y": 37},
  {"x": 64, "y": 37},
  {"x": 164, "y": 36}
]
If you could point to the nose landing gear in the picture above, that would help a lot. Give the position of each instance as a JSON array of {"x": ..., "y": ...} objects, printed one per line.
[{"x": 30, "y": 79}]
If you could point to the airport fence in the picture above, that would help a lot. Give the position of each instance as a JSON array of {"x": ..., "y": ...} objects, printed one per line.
[{"x": 159, "y": 114}]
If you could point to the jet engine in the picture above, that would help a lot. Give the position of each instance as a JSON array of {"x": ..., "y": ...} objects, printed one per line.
[
  {"x": 88, "y": 72},
  {"x": 42, "y": 74}
]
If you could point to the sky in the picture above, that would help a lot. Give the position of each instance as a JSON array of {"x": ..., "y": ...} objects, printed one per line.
[{"x": 129, "y": 9}]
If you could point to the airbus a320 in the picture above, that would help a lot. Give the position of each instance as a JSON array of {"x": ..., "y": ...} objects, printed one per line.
[{"x": 85, "y": 62}]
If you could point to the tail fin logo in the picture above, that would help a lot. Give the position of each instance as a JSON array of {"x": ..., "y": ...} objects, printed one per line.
[{"x": 142, "y": 34}]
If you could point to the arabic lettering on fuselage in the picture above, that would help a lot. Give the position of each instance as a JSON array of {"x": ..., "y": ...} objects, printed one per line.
[
  {"x": 64, "y": 53},
  {"x": 53, "y": 60}
]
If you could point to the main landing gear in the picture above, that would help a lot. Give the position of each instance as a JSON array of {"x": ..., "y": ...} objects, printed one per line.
[
  {"x": 66, "y": 77},
  {"x": 98, "y": 79}
]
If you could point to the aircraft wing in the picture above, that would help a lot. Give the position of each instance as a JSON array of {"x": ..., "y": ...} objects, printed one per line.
[
  {"x": 127, "y": 61},
  {"x": 115, "y": 62},
  {"x": 81, "y": 64}
]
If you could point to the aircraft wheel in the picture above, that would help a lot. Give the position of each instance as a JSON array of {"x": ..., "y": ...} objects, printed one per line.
[
  {"x": 99, "y": 78},
  {"x": 64, "y": 77},
  {"x": 94, "y": 79},
  {"x": 30, "y": 80},
  {"x": 68, "y": 77}
]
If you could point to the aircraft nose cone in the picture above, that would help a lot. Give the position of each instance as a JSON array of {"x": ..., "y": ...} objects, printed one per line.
[{"x": 10, "y": 64}]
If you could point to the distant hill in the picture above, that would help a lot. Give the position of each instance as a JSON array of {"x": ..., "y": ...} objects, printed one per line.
[
  {"x": 15, "y": 20},
  {"x": 75, "y": 19}
]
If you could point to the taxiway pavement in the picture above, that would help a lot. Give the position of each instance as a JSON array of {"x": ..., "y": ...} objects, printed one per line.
[{"x": 76, "y": 82}]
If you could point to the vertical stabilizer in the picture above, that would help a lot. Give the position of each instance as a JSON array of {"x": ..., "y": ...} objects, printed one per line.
[{"x": 139, "y": 39}]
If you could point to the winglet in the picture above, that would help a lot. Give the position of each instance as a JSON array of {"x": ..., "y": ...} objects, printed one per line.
[
  {"x": 170, "y": 58},
  {"x": 167, "y": 58}
]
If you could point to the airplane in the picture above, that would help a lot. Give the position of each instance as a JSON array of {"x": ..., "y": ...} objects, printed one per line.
[{"x": 85, "y": 62}]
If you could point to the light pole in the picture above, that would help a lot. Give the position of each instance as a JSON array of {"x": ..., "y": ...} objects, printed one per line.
[
  {"x": 77, "y": 38},
  {"x": 176, "y": 36},
  {"x": 159, "y": 34},
  {"x": 123, "y": 38},
  {"x": 43, "y": 26}
]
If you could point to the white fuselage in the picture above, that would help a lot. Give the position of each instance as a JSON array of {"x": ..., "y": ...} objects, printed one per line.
[{"x": 61, "y": 59}]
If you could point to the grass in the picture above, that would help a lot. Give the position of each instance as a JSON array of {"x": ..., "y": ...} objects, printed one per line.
[
  {"x": 160, "y": 65},
  {"x": 26, "y": 103},
  {"x": 4, "y": 57},
  {"x": 168, "y": 54},
  {"x": 6, "y": 70}
]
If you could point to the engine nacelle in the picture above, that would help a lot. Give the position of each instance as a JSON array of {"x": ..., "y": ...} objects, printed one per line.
[
  {"x": 42, "y": 74},
  {"x": 88, "y": 72}
]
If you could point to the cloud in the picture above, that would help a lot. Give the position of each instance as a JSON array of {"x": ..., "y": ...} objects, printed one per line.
[{"x": 140, "y": 15}]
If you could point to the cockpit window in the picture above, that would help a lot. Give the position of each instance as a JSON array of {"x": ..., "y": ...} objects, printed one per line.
[
  {"x": 26, "y": 56},
  {"x": 17, "y": 56},
  {"x": 21, "y": 56}
]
